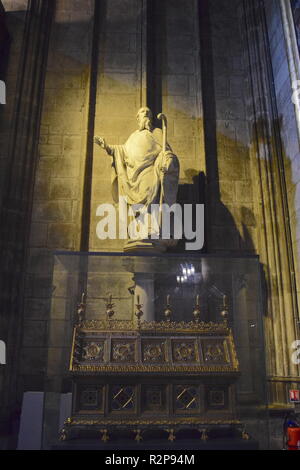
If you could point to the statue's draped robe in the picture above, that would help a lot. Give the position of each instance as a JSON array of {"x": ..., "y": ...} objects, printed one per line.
[{"x": 136, "y": 169}]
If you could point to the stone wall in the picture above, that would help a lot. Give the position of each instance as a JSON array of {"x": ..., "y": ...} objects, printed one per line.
[
  {"x": 57, "y": 199},
  {"x": 118, "y": 97},
  {"x": 179, "y": 72}
]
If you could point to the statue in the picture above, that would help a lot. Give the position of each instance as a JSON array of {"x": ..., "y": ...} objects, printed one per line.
[{"x": 145, "y": 171}]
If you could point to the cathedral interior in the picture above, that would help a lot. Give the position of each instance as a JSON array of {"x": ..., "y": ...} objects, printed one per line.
[{"x": 223, "y": 321}]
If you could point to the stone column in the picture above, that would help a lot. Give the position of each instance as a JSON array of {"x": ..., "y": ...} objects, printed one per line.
[
  {"x": 18, "y": 190},
  {"x": 274, "y": 245}
]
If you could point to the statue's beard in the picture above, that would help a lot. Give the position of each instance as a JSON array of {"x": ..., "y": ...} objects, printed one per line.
[{"x": 145, "y": 123}]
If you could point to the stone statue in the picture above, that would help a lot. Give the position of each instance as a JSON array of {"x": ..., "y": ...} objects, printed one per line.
[{"x": 145, "y": 171}]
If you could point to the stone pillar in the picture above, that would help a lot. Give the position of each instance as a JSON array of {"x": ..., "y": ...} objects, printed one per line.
[
  {"x": 58, "y": 191},
  {"x": 18, "y": 190},
  {"x": 267, "y": 154}
]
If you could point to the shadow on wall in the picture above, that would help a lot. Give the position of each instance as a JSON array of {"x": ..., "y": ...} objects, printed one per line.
[
  {"x": 241, "y": 224},
  {"x": 230, "y": 227}
]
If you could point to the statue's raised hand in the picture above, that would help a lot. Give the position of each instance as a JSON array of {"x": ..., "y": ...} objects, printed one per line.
[{"x": 100, "y": 141}]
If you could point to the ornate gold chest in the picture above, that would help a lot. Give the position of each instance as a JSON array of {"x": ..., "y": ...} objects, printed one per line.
[{"x": 151, "y": 376}]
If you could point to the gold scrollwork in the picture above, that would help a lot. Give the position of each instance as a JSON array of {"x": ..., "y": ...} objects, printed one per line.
[
  {"x": 163, "y": 326},
  {"x": 155, "y": 368},
  {"x": 190, "y": 421},
  {"x": 154, "y": 352},
  {"x": 184, "y": 352},
  {"x": 218, "y": 354},
  {"x": 93, "y": 351},
  {"x": 123, "y": 352},
  {"x": 214, "y": 352}
]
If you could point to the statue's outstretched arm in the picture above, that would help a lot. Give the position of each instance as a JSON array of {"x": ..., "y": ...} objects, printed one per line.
[{"x": 109, "y": 149}]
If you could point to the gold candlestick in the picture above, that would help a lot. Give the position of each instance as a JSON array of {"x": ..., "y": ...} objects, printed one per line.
[
  {"x": 109, "y": 307},
  {"x": 81, "y": 309},
  {"x": 168, "y": 310},
  {"x": 139, "y": 313},
  {"x": 225, "y": 311},
  {"x": 197, "y": 310}
]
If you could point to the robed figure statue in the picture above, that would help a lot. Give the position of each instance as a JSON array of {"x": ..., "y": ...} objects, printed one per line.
[{"x": 145, "y": 173}]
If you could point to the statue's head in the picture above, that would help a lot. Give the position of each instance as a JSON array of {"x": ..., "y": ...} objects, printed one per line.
[{"x": 144, "y": 118}]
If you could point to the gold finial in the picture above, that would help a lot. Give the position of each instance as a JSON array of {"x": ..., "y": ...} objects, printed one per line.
[
  {"x": 138, "y": 436},
  {"x": 109, "y": 307},
  {"x": 81, "y": 309},
  {"x": 105, "y": 435},
  {"x": 172, "y": 435},
  {"x": 139, "y": 313},
  {"x": 168, "y": 311},
  {"x": 197, "y": 310},
  {"x": 225, "y": 312},
  {"x": 245, "y": 435}
]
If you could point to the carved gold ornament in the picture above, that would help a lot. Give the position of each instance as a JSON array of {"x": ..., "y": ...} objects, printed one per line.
[
  {"x": 214, "y": 353},
  {"x": 93, "y": 351},
  {"x": 154, "y": 352},
  {"x": 163, "y": 326},
  {"x": 123, "y": 352},
  {"x": 184, "y": 421},
  {"x": 184, "y": 352}
]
